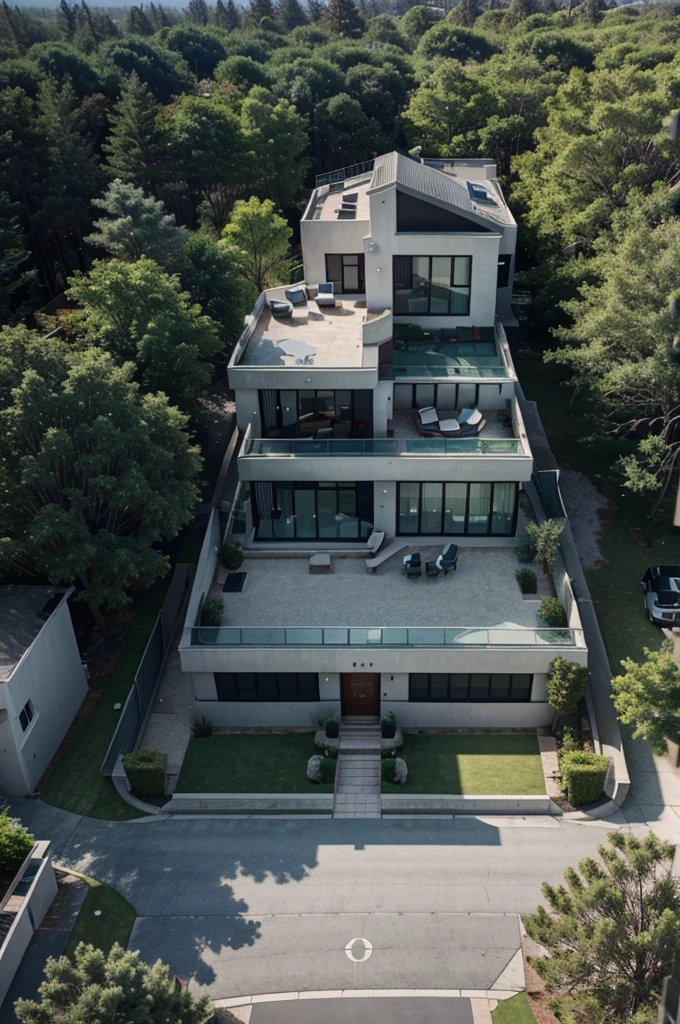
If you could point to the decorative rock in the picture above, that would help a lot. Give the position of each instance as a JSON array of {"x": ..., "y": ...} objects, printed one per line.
[
  {"x": 400, "y": 771},
  {"x": 314, "y": 768},
  {"x": 393, "y": 744}
]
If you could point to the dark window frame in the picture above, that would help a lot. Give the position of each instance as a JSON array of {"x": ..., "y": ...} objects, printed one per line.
[
  {"x": 464, "y": 532},
  {"x": 359, "y": 426},
  {"x": 26, "y": 715},
  {"x": 503, "y": 275},
  {"x": 473, "y": 678},
  {"x": 361, "y": 271},
  {"x": 255, "y": 682},
  {"x": 467, "y": 289},
  {"x": 314, "y": 486}
]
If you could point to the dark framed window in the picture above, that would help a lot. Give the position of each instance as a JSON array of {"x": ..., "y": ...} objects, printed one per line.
[
  {"x": 314, "y": 413},
  {"x": 267, "y": 686},
  {"x": 452, "y": 687},
  {"x": 431, "y": 285},
  {"x": 457, "y": 509},
  {"x": 346, "y": 271},
  {"x": 313, "y": 510},
  {"x": 26, "y": 715},
  {"x": 503, "y": 277}
]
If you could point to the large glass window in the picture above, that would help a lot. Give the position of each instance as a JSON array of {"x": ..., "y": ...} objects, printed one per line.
[
  {"x": 450, "y": 687},
  {"x": 316, "y": 413},
  {"x": 313, "y": 511},
  {"x": 457, "y": 509},
  {"x": 431, "y": 285},
  {"x": 267, "y": 686}
]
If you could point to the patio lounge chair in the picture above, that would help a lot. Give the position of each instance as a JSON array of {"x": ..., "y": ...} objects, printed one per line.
[
  {"x": 412, "y": 566},
  {"x": 280, "y": 308},
  {"x": 472, "y": 429},
  {"x": 448, "y": 559},
  {"x": 429, "y": 424},
  {"x": 297, "y": 296},
  {"x": 375, "y": 542},
  {"x": 325, "y": 295}
]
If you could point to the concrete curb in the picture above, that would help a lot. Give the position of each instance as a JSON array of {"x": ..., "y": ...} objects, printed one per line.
[
  {"x": 366, "y": 993},
  {"x": 121, "y": 788},
  {"x": 597, "y": 813},
  {"x": 427, "y": 803},
  {"x": 250, "y": 803}
]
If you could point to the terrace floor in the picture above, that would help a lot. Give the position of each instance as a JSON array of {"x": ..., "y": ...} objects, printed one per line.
[
  {"x": 404, "y": 421},
  {"x": 333, "y": 334},
  {"x": 482, "y": 592}
]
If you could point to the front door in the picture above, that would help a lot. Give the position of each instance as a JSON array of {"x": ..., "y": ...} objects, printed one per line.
[{"x": 360, "y": 693}]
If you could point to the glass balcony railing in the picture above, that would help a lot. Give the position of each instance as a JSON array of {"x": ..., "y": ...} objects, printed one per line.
[
  {"x": 311, "y": 448},
  {"x": 382, "y": 636}
]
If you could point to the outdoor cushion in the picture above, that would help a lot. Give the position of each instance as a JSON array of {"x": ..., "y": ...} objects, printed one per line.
[
  {"x": 470, "y": 416},
  {"x": 298, "y": 296},
  {"x": 325, "y": 288},
  {"x": 428, "y": 415},
  {"x": 449, "y": 426},
  {"x": 279, "y": 307},
  {"x": 374, "y": 542}
]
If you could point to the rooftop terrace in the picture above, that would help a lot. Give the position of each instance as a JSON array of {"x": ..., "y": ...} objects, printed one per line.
[
  {"x": 331, "y": 336},
  {"x": 282, "y": 603}
]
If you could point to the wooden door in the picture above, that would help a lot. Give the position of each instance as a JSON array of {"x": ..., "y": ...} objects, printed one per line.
[{"x": 361, "y": 693}]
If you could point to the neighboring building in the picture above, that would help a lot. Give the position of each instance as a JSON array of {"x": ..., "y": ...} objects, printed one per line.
[
  {"x": 42, "y": 682},
  {"x": 421, "y": 256}
]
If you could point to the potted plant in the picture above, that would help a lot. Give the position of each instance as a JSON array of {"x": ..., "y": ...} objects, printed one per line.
[
  {"x": 330, "y": 723},
  {"x": 388, "y": 725}
]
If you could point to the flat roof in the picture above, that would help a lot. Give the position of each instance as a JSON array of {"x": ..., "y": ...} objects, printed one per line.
[
  {"x": 21, "y": 621},
  {"x": 482, "y": 592},
  {"x": 328, "y": 205},
  {"x": 331, "y": 333}
]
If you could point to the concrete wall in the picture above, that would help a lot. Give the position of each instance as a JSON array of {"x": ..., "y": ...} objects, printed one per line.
[
  {"x": 484, "y": 249},
  {"x": 34, "y": 906},
  {"x": 52, "y": 677},
  {"x": 400, "y": 466},
  {"x": 320, "y": 237},
  {"x": 363, "y": 377}
]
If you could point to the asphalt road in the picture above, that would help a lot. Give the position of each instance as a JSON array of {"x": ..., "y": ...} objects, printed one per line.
[
  {"x": 268, "y": 905},
  {"x": 365, "y": 1011}
]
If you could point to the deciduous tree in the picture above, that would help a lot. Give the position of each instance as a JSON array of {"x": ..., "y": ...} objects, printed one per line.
[
  {"x": 566, "y": 686},
  {"x": 278, "y": 137},
  {"x": 647, "y": 696},
  {"x": 211, "y": 272},
  {"x": 262, "y": 236}
]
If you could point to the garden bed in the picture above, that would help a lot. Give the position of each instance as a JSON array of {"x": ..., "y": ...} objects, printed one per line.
[
  {"x": 270, "y": 763},
  {"x": 479, "y": 764}
]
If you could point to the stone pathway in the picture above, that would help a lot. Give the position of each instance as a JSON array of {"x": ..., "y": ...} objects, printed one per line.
[{"x": 357, "y": 789}]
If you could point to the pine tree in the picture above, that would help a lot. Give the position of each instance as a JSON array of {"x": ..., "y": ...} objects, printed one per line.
[
  {"x": 227, "y": 16},
  {"x": 8, "y": 33},
  {"x": 158, "y": 17},
  {"x": 134, "y": 146},
  {"x": 260, "y": 9},
  {"x": 198, "y": 12},
  {"x": 136, "y": 23},
  {"x": 316, "y": 9},
  {"x": 343, "y": 17},
  {"x": 67, "y": 18},
  {"x": 87, "y": 16},
  {"x": 291, "y": 14}
]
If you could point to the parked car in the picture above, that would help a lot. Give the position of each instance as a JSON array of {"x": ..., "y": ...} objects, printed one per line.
[{"x": 661, "y": 586}]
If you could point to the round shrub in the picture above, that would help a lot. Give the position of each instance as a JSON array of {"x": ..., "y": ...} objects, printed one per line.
[
  {"x": 526, "y": 549},
  {"x": 212, "y": 611},
  {"x": 16, "y": 842},
  {"x": 231, "y": 555},
  {"x": 388, "y": 766},
  {"x": 327, "y": 767},
  {"x": 553, "y": 613},
  {"x": 400, "y": 771},
  {"x": 527, "y": 581},
  {"x": 145, "y": 770}
]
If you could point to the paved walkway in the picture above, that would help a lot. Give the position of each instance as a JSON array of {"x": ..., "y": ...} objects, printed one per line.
[
  {"x": 169, "y": 726},
  {"x": 357, "y": 789}
]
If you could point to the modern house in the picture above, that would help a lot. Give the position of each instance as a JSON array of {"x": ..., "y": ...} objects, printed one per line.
[
  {"x": 42, "y": 682},
  {"x": 382, "y": 400}
]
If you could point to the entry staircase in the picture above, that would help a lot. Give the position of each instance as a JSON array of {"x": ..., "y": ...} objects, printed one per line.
[{"x": 357, "y": 786}]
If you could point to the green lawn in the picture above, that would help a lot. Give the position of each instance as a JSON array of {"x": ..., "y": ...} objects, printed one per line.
[
  {"x": 75, "y": 783},
  {"x": 615, "y": 585},
  {"x": 114, "y": 924},
  {"x": 471, "y": 765},
  {"x": 515, "y": 1010},
  {"x": 271, "y": 763}
]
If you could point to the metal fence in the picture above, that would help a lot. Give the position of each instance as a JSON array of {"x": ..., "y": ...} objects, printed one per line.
[{"x": 136, "y": 707}]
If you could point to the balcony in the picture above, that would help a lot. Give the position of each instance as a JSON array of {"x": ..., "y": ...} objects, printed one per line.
[{"x": 378, "y": 447}]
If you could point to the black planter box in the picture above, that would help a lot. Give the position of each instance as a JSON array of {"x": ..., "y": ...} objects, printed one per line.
[
  {"x": 332, "y": 730},
  {"x": 388, "y": 730}
]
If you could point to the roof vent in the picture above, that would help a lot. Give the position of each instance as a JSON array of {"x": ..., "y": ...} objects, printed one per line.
[{"x": 480, "y": 193}]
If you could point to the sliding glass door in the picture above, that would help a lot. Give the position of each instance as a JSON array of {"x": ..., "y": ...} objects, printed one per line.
[
  {"x": 457, "y": 509},
  {"x": 313, "y": 511}
]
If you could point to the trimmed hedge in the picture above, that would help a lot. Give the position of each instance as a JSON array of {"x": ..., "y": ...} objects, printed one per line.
[
  {"x": 327, "y": 769},
  {"x": 212, "y": 611},
  {"x": 553, "y": 613},
  {"x": 527, "y": 581},
  {"x": 583, "y": 775},
  {"x": 145, "y": 770},
  {"x": 16, "y": 842}
]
